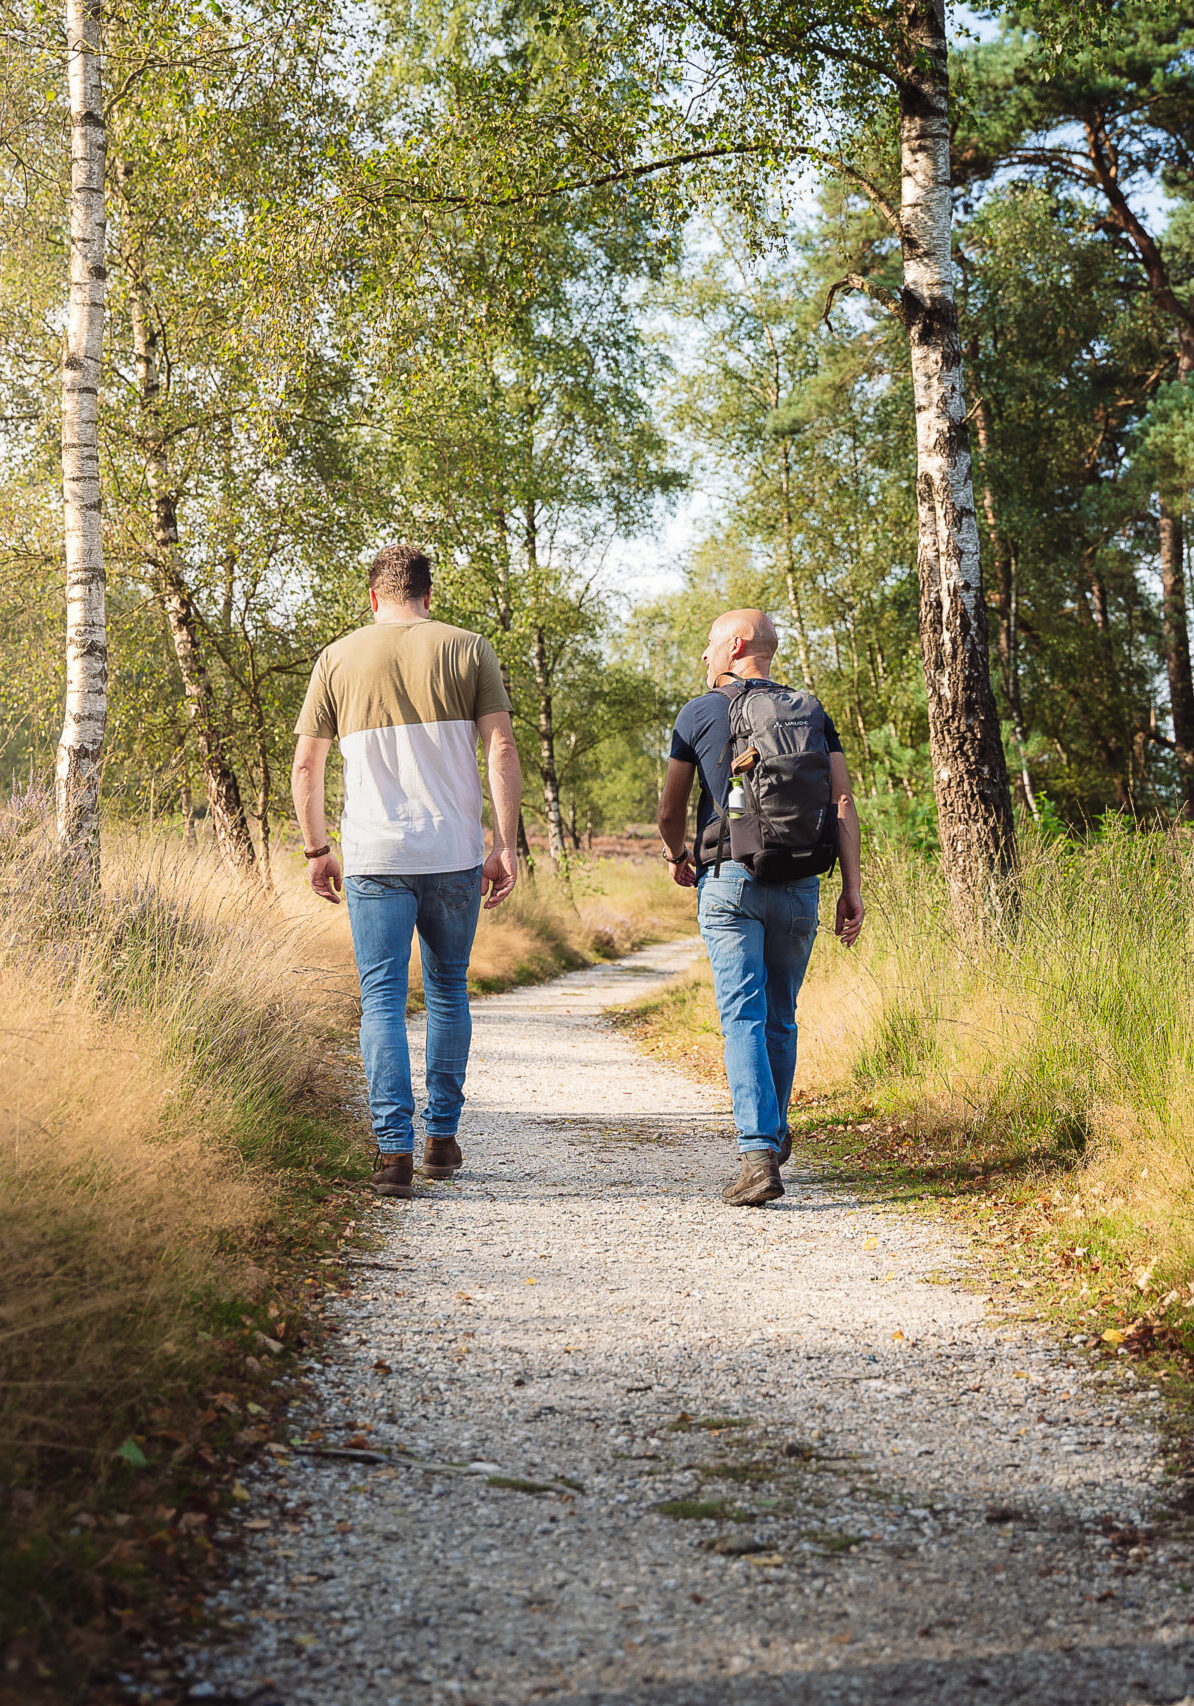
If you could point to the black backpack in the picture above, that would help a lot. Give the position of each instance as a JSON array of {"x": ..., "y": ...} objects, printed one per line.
[{"x": 779, "y": 751}]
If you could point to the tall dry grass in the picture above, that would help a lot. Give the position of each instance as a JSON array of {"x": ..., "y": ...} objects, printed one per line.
[{"x": 154, "y": 1075}]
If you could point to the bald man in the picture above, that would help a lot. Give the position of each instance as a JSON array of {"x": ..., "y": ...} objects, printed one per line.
[{"x": 759, "y": 935}]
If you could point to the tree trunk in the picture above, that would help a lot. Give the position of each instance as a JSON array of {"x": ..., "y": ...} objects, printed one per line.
[
  {"x": 265, "y": 780},
  {"x": 81, "y": 743},
  {"x": 547, "y": 753},
  {"x": 1005, "y": 600},
  {"x": 505, "y": 616},
  {"x": 1174, "y": 620},
  {"x": 186, "y": 805},
  {"x": 1177, "y": 652},
  {"x": 969, "y": 769},
  {"x": 794, "y": 605},
  {"x": 523, "y": 844},
  {"x": 219, "y": 779},
  {"x": 547, "y": 737}
]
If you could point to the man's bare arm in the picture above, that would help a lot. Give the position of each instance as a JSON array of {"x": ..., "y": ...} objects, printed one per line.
[
  {"x": 306, "y": 785},
  {"x": 850, "y": 910},
  {"x": 500, "y": 871},
  {"x": 673, "y": 817}
]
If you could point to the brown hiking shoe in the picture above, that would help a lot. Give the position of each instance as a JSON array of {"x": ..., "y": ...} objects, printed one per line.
[
  {"x": 757, "y": 1183},
  {"x": 393, "y": 1175},
  {"x": 441, "y": 1158},
  {"x": 785, "y": 1148}
]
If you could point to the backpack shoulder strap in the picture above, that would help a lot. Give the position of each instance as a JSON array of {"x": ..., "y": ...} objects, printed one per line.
[{"x": 733, "y": 690}]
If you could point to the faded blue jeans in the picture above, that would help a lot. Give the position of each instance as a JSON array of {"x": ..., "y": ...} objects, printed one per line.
[
  {"x": 384, "y": 913},
  {"x": 759, "y": 937}
]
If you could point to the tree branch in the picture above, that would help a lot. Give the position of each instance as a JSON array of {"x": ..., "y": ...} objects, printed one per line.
[
  {"x": 876, "y": 197},
  {"x": 879, "y": 293},
  {"x": 649, "y": 168}
]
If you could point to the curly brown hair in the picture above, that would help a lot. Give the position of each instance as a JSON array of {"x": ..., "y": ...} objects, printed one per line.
[{"x": 401, "y": 574}]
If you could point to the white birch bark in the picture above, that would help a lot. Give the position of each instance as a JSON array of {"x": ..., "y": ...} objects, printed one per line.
[
  {"x": 969, "y": 769},
  {"x": 82, "y": 739}
]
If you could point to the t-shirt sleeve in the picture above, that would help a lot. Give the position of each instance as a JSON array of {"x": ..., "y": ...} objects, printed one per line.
[
  {"x": 491, "y": 692},
  {"x": 832, "y": 739},
  {"x": 318, "y": 715},
  {"x": 682, "y": 747}
]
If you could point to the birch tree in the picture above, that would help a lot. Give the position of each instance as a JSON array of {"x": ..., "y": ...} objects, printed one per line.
[
  {"x": 82, "y": 739},
  {"x": 969, "y": 769},
  {"x": 900, "y": 52}
]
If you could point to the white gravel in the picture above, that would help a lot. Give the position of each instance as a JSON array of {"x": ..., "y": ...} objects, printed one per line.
[{"x": 946, "y": 1506}]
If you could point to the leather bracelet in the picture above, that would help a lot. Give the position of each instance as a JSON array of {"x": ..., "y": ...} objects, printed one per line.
[
  {"x": 319, "y": 851},
  {"x": 680, "y": 856}
]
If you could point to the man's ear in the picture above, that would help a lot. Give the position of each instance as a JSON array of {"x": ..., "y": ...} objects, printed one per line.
[{"x": 373, "y": 601}]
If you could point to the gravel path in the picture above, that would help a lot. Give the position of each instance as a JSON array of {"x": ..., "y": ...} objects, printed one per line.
[{"x": 876, "y": 1490}]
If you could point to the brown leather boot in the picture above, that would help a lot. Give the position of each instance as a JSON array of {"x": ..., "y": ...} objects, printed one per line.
[
  {"x": 757, "y": 1183},
  {"x": 393, "y": 1175},
  {"x": 441, "y": 1158}
]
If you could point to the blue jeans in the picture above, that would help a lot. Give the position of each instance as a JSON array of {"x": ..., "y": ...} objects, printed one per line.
[
  {"x": 759, "y": 937},
  {"x": 384, "y": 912}
]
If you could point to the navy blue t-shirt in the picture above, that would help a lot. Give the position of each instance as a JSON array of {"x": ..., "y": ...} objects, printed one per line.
[{"x": 702, "y": 737}]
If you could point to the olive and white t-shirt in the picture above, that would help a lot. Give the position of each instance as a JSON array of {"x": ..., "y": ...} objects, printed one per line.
[{"x": 403, "y": 699}]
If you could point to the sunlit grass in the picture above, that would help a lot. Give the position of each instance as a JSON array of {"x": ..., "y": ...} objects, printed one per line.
[{"x": 1047, "y": 1070}]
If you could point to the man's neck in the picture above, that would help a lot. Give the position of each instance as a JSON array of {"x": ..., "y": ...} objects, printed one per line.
[
  {"x": 399, "y": 615},
  {"x": 751, "y": 669}
]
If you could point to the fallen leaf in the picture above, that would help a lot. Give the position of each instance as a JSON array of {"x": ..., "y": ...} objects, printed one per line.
[
  {"x": 305, "y": 1640},
  {"x": 130, "y": 1452},
  {"x": 258, "y": 1522},
  {"x": 1113, "y": 1336},
  {"x": 532, "y": 1282},
  {"x": 382, "y": 1367},
  {"x": 897, "y": 1334},
  {"x": 240, "y": 1493},
  {"x": 871, "y": 1244}
]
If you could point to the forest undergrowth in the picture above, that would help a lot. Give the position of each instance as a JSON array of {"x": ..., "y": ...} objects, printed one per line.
[
  {"x": 181, "y": 1165},
  {"x": 1038, "y": 1086}
]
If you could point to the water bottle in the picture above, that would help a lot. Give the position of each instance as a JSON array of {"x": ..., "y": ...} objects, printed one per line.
[{"x": 737, "y": 800}]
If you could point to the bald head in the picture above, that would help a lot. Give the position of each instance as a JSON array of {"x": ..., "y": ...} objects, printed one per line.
[{"x": 741, "y": 642}]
